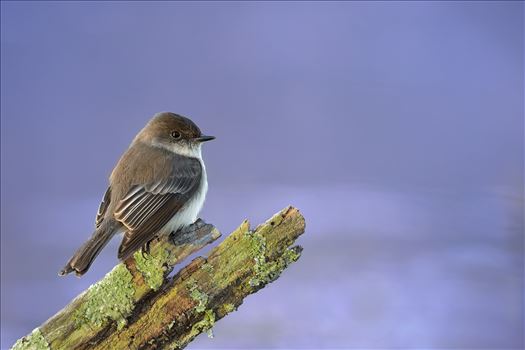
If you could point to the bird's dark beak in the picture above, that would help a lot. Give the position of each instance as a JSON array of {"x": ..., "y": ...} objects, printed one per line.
[{"x": 204, "y": 138}]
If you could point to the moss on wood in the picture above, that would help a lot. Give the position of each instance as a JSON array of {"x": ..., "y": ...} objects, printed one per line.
[
  {"x": 136, "y": 306},
  {"x": 109, "y": 299},
  {"x": 153, "y": 268},
  {"x": 200, "y": 298},
  {"x": 33, "y": 341}
]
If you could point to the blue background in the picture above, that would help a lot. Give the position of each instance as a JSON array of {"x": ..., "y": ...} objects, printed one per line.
[{"x": 396, "y": 128}]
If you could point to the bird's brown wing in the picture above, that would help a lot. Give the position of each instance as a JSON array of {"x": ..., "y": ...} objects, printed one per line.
[
  {"x": 147, "y": 208},
  {"x": 103, "y": 207}
]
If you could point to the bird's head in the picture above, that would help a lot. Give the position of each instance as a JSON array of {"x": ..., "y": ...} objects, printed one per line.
[{"x": 173, "y": 132}]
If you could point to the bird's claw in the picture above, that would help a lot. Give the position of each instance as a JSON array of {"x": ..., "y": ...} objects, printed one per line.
[{"x": 145, "y": 250}]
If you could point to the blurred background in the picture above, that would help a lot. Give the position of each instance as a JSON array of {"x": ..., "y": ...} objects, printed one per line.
[{"x": 396, "y": 128}]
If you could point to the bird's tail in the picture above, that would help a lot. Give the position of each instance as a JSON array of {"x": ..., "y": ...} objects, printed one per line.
[{"x": 86, "y": 254}]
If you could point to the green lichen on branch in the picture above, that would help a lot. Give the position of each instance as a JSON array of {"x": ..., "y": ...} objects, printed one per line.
[
  {"x": 227, "y": 308},
  {"x": 208, "y": 268},
  {"x": 205, "y": 325},
  {"x": 171, "y": 314},
  {"x": 33, "y": 341},
  {"x": 201, "y": 299},
  {"x": 265, "y": 271},
  {"x": 109, "y": 299},
  {"x": 152, "y": 267}
]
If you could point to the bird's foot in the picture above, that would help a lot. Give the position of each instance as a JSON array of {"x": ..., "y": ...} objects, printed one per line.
[{"x": 145, "y": 250}]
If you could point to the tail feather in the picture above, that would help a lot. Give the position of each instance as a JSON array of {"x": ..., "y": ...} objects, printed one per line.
[{"x": 86, "y": 254}]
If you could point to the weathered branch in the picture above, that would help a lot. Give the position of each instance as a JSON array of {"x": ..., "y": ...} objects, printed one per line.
[{"x": 137, "y": 306}]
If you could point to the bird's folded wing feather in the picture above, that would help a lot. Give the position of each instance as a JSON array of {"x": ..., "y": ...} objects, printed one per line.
[
  {"x": 147, "y": 208},
  {"x": 103, "y": 207}
]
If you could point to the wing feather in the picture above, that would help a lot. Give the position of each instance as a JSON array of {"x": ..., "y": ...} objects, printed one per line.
[
  {"x": 145, "y": 209},
  {"x": 103, "y": 207}
]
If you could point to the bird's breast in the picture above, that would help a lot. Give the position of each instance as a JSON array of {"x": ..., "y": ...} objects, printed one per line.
[{"x": 189, "y": 213}]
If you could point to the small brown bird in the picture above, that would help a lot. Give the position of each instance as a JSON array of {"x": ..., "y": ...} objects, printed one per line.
[{"x": 157, "y": 187}]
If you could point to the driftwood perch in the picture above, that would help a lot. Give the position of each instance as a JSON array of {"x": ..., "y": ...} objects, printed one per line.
[{"x": 138, "y": 306}]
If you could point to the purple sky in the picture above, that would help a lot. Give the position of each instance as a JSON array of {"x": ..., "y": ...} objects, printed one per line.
[{"x": 400, "y": 120}]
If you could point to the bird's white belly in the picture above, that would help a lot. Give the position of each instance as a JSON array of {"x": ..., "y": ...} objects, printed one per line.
[{"x": 188, "y": 214}]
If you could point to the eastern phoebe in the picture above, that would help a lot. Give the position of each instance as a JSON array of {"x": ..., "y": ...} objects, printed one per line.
[{"x": 158, "y": 186}]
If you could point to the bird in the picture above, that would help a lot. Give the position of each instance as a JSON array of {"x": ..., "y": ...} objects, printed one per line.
[{"x": 157, "y": 187}]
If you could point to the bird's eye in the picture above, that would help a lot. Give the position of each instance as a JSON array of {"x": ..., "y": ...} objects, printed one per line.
[{"x": 175, "y": 134}]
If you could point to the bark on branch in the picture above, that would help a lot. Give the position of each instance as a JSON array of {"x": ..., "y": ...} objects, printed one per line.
[{"x": 137, "y": 306}]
